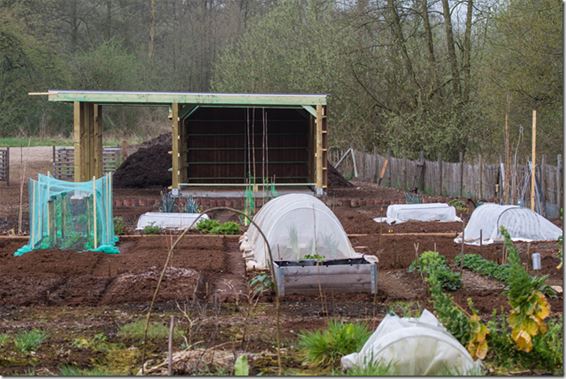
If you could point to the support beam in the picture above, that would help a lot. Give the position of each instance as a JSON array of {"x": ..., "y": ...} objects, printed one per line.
[
  {"x": 175, "y": 142},
  {"x": 183, "y": 145},
  {"x": 318, "y": 146},
  {"x": 87, "y": 140}
]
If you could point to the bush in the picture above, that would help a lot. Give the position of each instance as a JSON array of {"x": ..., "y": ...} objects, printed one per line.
[
  {"x": 119, "y": 226},
  {"x": 29, "y": 340},
  {"x": 324, "y": 348}
]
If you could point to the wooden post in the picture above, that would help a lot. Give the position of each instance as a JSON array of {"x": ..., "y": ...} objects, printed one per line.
[
  {"x": 170, "y": 347},
  {"x": 175, "y": 154},
  {"x": 318, "y": 154},
  {"x": 542, "y": 185},
  {"x": 481, "y": 178},
  {"x": 77, "y": 140},
  {"x": 461, "y": 157},
  {"x": 507, "y": 178},
  {"x": 97, "y": 139},
  {"x": 183, "y": 153},
  {"x": 389, "y": 168},
  {"x": 559, "y": 201},
  {"x": 94, "y": 211},
  {"x": 534, "y": 158},
  {"x": 7, "y": 166},
  {"x": 440, "y": 190},
  {"x": 86, "y": 151},
  {"x": 422, "y": 171},
  {"x": 325, "y": 148}
]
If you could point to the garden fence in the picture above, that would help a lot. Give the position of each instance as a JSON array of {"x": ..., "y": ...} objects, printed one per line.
[{"x": 476, "y": 179}]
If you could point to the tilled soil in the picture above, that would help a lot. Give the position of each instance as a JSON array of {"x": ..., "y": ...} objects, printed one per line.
[{"x": 201, "y": 266}]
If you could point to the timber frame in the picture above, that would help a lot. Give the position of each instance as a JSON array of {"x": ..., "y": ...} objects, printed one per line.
[{"x": 87, "y": 124}]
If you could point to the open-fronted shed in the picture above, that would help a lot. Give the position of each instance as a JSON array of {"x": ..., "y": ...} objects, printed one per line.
[{"x": 218, "y": 139}]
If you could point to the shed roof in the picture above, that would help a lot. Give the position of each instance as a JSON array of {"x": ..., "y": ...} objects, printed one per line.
[{"x": 163, "y": 98}]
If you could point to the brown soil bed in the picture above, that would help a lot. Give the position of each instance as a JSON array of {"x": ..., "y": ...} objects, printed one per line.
[{"x": 199, "y": 267}]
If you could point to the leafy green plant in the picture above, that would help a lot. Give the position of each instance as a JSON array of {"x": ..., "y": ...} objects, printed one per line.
[
  {"x": 119, "y": 226},
  {"x": 206, "y": 225},
  {"x": 156, "y": 331},
  {"x": 28, "y": 341},
  {"x": 261, "y": 283},
  {"x": 167, "y": 202},
  {"x": 191, "y": 205},
  {"x": 430, "y": 261},
  {"x": 529, "y": 306},
  {"x": 459, "y": 205},
  {"x": 151, "y": 229},
  {"x": 241, "y": 366},
  {"x": 315, "y": 256},
  {"x": 477, "y": 263},
  {"x": 98, "y": 342},
  {"x": 211, "y": 226},
  {"x": 324, "y": 348}
]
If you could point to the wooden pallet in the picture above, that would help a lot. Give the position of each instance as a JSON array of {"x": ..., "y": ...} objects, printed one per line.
[
  {"x": 5, "y": 165},
  {"x": 64, "y": 161}
]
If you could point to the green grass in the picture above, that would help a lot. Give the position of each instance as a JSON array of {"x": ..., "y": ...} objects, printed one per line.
[
  {"x": 76, "y": 371},
  {"x": 61, "y": 141},
  {"x": 29, "y": 340},
  {"x": 324, "y": 348},
  {"x": 4, "y": 338},
  {"x": 156, "y": 331}
]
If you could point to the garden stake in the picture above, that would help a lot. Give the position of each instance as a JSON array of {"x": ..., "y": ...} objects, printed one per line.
[{"x": 170, "y": 347}]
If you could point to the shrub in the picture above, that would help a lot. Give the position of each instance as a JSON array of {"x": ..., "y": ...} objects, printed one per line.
[
  {"x": 29, "y": 340},
  {"x": 151, "y": 229},
  {"x": 324, "y": 348},
  {"x": 119, "y": 226}
]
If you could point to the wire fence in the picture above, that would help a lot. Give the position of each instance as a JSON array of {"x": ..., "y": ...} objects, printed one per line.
[{"x": 474, "y": 179}]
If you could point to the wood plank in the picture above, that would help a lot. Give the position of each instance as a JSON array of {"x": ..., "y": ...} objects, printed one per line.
[
  {"x": 318, "y": 147},
  {"x": 77, "y": 130}
]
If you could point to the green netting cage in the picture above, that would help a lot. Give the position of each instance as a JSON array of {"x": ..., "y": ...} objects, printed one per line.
[{"x": 70, "y": 215}]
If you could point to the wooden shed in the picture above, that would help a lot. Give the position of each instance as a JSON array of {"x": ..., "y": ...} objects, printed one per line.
[{"x": 218, "y": 139}]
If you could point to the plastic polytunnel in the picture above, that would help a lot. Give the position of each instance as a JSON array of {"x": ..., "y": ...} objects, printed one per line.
[
  {"x": 414, "y": 347},
  {"x": 296, "y": 225},
  {"x": 522, "y": 224}
]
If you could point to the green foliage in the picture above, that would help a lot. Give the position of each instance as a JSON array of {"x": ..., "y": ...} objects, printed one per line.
[
  {"x": 4, "y": 338},
  {"x": 241, "y": 366},
  {"x": 324, "y": 348},
  {"x": 67, "y": 370},
  {"x": 98, "y": 342},
  {"x": 432, "y": 261},
  {"x": 459, "y": 205},
  {"x": 28, "y": 341},
  {"x": 261, "y": 283},
  {"x": 151, "y": 229},
  {"x": 477, "y": 263},
  {"x": 191, "y": 205},
  {"x": 315, "y": 256},
  {"x": 156, "y": 331},
  {"x": 211, "y": 226},
  {"x": 372, "y": 369},
  {"x": 405, "y": 308},
  {"x": 119, "y": 225}
]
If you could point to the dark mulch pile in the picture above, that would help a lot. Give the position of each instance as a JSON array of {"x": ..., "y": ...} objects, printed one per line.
[{"x": 147, "y": 167}]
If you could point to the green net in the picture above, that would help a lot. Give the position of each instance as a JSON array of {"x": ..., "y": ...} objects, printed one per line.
[{"x": 70, "y": 215}]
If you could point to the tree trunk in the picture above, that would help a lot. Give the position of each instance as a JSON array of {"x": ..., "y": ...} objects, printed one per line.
[
  {"x": 151, "y": 47},
  {"x": 74, "y": 26},
  {"x": 108, "y": 19},
  {"x": 397, "y": 32},
  {"x": 451, "y": 49},
  {"x": 430, "y": 48},
  {"x": 468, "y": 52}
]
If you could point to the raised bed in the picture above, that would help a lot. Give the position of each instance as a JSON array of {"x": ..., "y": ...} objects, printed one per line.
[{"x": 312, "y": 276}]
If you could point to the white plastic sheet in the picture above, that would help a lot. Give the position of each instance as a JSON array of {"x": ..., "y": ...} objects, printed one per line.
[
  {"x": 399, "y": 213},
  {"x": 295, "y": 225},
  {"x": 168, "y": 220},
  {"x": 522, "y": 224},
  {"x": 413, "y": 346}
]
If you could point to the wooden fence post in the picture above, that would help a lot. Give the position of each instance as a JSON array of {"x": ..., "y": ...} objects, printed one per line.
[
  {"x": 559, "y": 200},
  {"x": 422, "y": 165},
  {"x": 461, "y": 174},
  {"x": 389, "y": 168},
  {"x": 7, "y": 166},
  {"x": 481, "y": 178},
  {"x": 375, "y": 158},
  {"x": 440, "y": 190},
  {"x": 543, "y": 185}
]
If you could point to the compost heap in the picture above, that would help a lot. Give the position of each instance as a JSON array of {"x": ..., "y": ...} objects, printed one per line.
[{"x": 149, "y": 167}]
